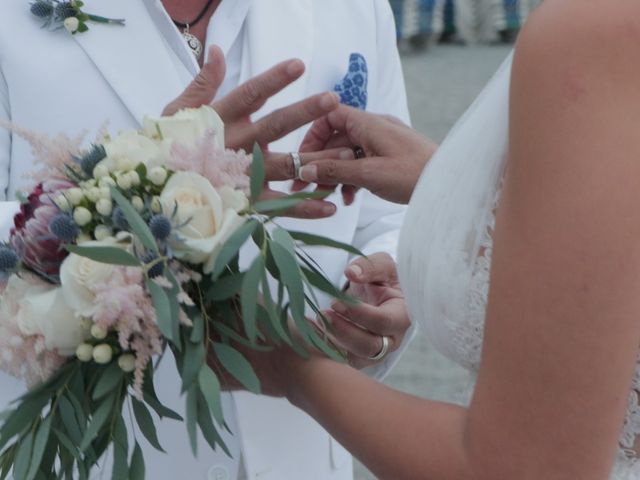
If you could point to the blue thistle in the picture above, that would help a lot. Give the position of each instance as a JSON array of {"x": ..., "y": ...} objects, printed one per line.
[
  {"x": 119, "y": 219},
  {"x": 42, "y": 9},
  {"x": 8, "y": 259},
  {"x": 160, "y": 227},
  {"x": 63, "y": 227},
  {"x": 65, "y": 10},
  {"x": 158, "y": 269},
  {"x": 89, "y": 161}
]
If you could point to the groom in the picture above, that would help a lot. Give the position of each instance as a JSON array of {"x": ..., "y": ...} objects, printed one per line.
[{"x": 53, "y": 82}]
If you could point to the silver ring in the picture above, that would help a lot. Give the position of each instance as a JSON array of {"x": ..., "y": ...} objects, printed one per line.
[
  {"x": 383, "y": 351},
  {"x": 297, "y": 165}
]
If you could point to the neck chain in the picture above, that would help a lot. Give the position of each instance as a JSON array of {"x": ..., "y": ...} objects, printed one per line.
[{"x": 192, "y": 41}]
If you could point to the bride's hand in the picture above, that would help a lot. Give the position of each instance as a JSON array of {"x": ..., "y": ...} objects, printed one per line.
[
  {"x": 236, "y": 109},
  {"x": 394, "y": 154}
]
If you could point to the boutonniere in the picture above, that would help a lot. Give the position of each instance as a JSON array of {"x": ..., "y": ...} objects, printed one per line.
[
  {"x": 67, "y": 14},
  {"x": 353, "y": 87}
]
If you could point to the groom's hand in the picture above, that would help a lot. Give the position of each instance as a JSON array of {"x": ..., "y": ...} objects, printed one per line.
[
  {"x": 359, "y": 329},
  {"x": 236, "y": 109}
]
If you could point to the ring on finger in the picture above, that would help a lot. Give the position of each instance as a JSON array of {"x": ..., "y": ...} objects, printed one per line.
[
  {"x": 358, "y": 153},
  {"x": 386, "y": 343},
  {"x": 297, "y": 164}
]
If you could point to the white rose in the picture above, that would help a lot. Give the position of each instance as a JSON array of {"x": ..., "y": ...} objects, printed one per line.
[
  {"x": 129, "y": 149},
  {"x": 47, "y": 314},
  {"x": 210, "y": 216},
  {"x": 79, "y": 274},
  {"x": 71, "y": 24},
  {"x": 187, "y": 126}
]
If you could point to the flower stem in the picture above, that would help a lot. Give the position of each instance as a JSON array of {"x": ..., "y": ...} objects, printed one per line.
[{"x": 110, "y": 21}]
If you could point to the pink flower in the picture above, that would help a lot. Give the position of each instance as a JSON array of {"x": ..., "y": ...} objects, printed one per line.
[{"x": 37, "y": 247}]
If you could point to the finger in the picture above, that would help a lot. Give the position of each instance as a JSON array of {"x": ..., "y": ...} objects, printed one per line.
[
  {"x": 285, "y": 120},
  {"x": 355, "y": 340},
  {"x": 349, "y": 193},
  {"x": 376, "y": 268},
  {"x": 279, "y": 166},
  {"x": 389, "y": 319},
  {"x": 204, "y": 87},
  {"x": 309, "y": 209},
  {"x": 346, "y": 121},
  {"x": 249, "y": 97},
  {"x": 335, "y": 172}
]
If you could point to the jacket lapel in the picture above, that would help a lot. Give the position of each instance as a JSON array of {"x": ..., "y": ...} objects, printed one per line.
[
  {"x": 134, "y": 59},
  {"x": 278, "y": 30}
]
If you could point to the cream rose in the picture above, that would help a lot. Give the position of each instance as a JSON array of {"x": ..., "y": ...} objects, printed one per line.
[
  {"x": 129, "y": 149},
  {"x": 209, "y": 216},
  {"x": 187, "y": 126},
  {"x": 79, "y": 274},
  {"x": 47, "y": 314}
]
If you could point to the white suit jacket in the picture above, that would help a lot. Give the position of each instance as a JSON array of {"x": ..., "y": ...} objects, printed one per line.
[{"x": 53, "y": 82}]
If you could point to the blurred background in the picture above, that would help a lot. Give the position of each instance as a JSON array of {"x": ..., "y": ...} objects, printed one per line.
[{"x": 450, "y": 49}]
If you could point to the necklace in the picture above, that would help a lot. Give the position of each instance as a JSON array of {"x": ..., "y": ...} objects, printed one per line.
[{"x": 192, "y": 41}]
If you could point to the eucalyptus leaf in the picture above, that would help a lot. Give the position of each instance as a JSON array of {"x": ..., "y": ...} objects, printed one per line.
[
  {"x": 318, "y": 240},
  {"x": 136, "y": 222},
  {"x": 97, "y": 421},
  {"x": 257, "y": 173},
  {"x": 69, "y": 420},
  {"x": 21, "y": 418},
  {"x": 197, "y": 331},
  {"x": 120, "y": 451},
  {"x": 109, "y": 379},
  {"x": 210, "y": 386},
  {"x": 232, "y": 246},
  {"x": 225, "y": 287},
  {"x": 291, "y": 276},
  {"x": 163, "y": 310},
  {"x": 249, "y": 297},
  {"x": 145, "y": 423},
  {"x": 23, "y": 457},
  {"x": 137, "y": 467},
  {"x": 194, "y": 358},
  {"x": 192, "y": 418},
  {"x": 108, "y": 255},
  {"x": 151, "y": 398},
  {"x": 39, "y": 447},
  {"x": 238, "y": 366},
  {"x": 208, "y": 429}
]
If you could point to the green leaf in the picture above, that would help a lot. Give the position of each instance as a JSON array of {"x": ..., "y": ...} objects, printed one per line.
[
  {"x": 210, "y": 386},
  {"x": 145, "y": 423},
  {"x": 151, "y": 398},
  {"x": 120, "y": 451},
  {"x": 279, "y": 205},
  {"x": 208, "y": 429},
  {"x": 69, "y": 420},
  {"x": 137, "y": 468},
  {"x": 192, "y": 418},
  {"x": 291, "y": 276},
  {"x": 194, "y": 358},
  {"x": 321, "y": 283},
  {"x": 163, "y": 311},
  {"x": 271, "y": 310},
  {"x": 232, "y": 247},
  {"x": 67, "y": 444},
  {"x": 23, "y": 457},
  {"x": 136, "y": 222},
  {"x": 21, "y": 418},
  {"x": 257, "y": 173},
  {"x": 108, "y": 381},
  {"x": 238, "y": 366},
  {"x": 249, "y": 297},
  {"x": 39, "y": 447},
  {"x": 108, "y": 255},
  {"x": 197, "y": 331},
  {"x": 318, "y": 240},
  {"x": 225, "y": 287},
  {"x": 98, "y": 419}
]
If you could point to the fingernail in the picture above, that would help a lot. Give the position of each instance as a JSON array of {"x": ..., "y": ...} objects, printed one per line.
[
  {"x": 329, "y": 210},
  {"x": 309, "y": 173},
  {"x": 346, "y": 154},
  {"x": 329, "y": 101},
  {"x": 295, "y": 68},
  {"x": 356, "y": 271},
  {"x": 339, "y": 308}
]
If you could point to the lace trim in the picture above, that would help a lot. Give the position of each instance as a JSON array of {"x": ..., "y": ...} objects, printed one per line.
[{"x": 468, "y": 336}]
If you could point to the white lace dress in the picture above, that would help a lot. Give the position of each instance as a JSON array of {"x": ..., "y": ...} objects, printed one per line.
[{"x": 446, "y": 244}]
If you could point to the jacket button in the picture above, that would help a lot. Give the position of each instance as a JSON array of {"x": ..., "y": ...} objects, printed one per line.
[{"x": 218, "y": 473}]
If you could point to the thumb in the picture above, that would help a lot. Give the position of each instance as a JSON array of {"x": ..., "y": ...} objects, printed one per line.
[
  {"x": 203, "y": 88},
  {"x": 377, "y": 268}
]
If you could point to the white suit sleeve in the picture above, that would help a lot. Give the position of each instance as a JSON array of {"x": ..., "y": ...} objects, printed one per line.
[
  {"x": 380, "y": 221},
  {"x": 7, "y": 209}
]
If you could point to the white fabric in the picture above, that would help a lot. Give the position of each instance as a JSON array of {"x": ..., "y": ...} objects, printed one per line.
[
  {"x": 52, "y": 82},
  {"x": 445, "y": 269}
]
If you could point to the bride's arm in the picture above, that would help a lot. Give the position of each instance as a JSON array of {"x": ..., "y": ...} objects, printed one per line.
[{"x": 563, "y": 323}]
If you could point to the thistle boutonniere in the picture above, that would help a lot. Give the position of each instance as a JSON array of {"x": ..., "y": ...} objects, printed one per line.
[{"x": 67, "y": 14}]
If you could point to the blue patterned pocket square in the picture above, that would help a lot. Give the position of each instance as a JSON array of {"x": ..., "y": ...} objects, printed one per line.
[{"x": 353, "y": 88}]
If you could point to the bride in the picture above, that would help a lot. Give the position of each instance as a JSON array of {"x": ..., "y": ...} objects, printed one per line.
[{"x": 536, "y": 192}]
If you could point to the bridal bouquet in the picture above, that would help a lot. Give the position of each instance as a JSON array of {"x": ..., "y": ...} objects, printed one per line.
[{"x": 123, "y": 251}]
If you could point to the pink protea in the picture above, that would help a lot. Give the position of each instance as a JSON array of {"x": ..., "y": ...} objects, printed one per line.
[{"x": 37, "y": 248}]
